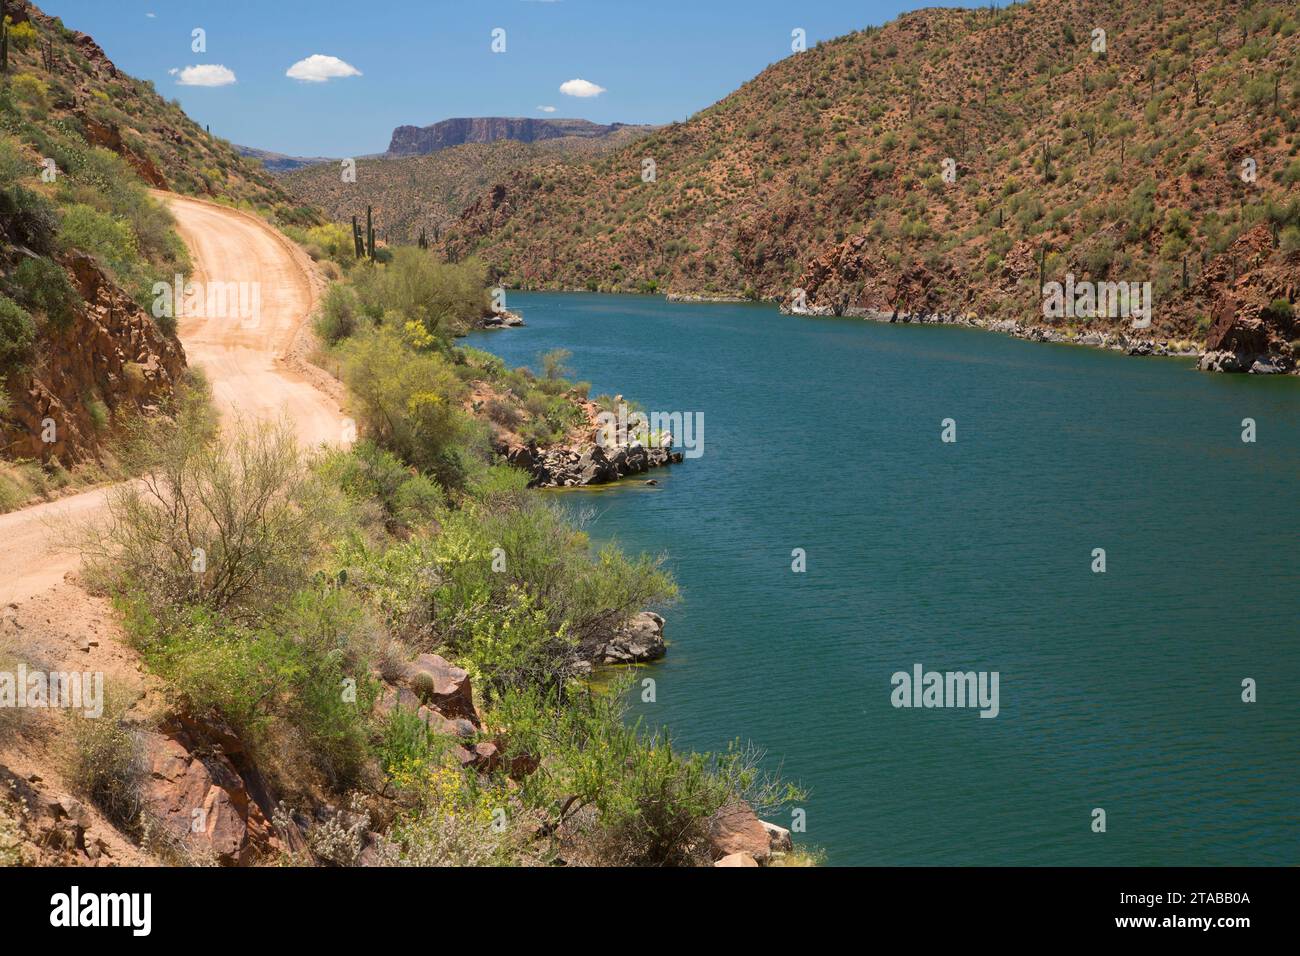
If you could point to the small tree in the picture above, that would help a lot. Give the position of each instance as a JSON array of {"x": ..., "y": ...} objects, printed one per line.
[{"x": 554, "y": 365}]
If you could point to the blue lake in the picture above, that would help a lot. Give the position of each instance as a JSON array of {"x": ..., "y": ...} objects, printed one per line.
[{"x": 1119, "y": 690}]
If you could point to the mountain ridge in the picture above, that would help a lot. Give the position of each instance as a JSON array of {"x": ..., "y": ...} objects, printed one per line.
[
  {"x": 948, "y": 162},
  {"x": 457, "y": 131}
]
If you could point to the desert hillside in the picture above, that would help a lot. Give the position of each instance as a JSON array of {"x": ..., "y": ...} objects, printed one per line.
[
  {"x": 82, "y": 244},
  {"x": 412, "y": 192},
  {"x": 945, "y": 162}
]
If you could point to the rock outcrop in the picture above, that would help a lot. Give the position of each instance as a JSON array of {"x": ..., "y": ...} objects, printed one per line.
[
  {"x": 205, "y": 794},
  {"x": 590, "y": 464},
  {"x": 502, "y": 320},
  {"x": 638, "y": 641},
  {"x": 1243, "y": 339},
  {"x": 737, "y": 829},
  {"x": 112, "y": 351},
  {"x": 420, "y": 140}
]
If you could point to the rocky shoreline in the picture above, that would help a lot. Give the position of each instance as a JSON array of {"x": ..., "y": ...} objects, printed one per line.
[
  {"x": 590, "y": 464},
  {"x": 1236, "y": 343},
  {"x": 504, "y": 319},
  {"x": 704, "y": 298}
]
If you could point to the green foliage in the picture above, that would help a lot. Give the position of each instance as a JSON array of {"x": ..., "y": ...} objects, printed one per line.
[
  {"x": 369, "y": 474},
  {"x": 31, "y": 92},
  {"x": 554, "y": 364},
  {"x": 444, "y": 298},
  {"x": 1281, "y": 311},
  {"x": 652, "y": 803},
  {"x": 42, "y": 286},
  {"x": 109, "y": 239},
  {"x": 290, "y": 671},
  {"x": 407, "y": 402},
  {"x": 338, "y": 314},
  {"x": 28, "y": 219},
  {"x": 519, "y": 624},
  {"x": 17, "y": 334},
  {"x": 106, "y": 762},
  {"x": 225, "y": 525}
]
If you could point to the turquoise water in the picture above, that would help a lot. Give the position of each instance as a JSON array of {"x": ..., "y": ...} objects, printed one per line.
[{"x": 1119, "y": 690}]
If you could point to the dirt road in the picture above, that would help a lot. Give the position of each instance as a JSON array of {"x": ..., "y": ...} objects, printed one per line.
[{"x": 245, "y": 353}]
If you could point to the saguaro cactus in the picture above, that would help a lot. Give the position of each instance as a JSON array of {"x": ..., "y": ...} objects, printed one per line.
[
  {"x": 358, "y": 243},
  {"x": 4, "y": 39},
  {"x": 370, "y": 235}
]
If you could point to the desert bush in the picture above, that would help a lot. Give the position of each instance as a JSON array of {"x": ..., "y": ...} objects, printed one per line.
[
  {"x": 443, "y": 297},
  {"x": 454, "y": 821},
  {"x": 1290, "y": 239},
  {"x": 281, "y": 680},
  {"x": 32, "y": 92},
  {"x": 338, "y": 315},
  {"x": 648, "y": 804},
  {"x": 28, "y": 219},
  {"x": 408, "y": 402},
  {"x": 107, "y": 238},
  {"x": 17, "y": 333},
  {"x": 229, "y": 525},
  {"x": 105, "y": 762},
  {"x": 367, "y": 473},
  {"x": 42, "y": 286}
]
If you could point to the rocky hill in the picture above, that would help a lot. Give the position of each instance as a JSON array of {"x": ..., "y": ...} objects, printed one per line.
[
  {"x": 279, "y": 162},
  {"x": 421, "y": 140},
  {"x": 82, "y": 243},
  {"x": 414, "y": 192},
  {"x": 950, "y": 163}
]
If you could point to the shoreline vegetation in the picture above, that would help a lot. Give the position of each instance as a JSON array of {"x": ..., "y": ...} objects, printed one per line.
[{"x": 393, "y": 653}]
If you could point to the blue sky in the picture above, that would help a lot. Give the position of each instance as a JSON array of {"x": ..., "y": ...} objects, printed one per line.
[{"x": 426, "y": 60}]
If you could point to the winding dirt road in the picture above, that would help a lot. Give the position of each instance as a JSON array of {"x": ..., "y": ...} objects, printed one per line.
[{"x": 249, "y": 357}]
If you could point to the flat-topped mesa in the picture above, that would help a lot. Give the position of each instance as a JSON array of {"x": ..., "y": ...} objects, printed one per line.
[{"x": 421, "y": 140}]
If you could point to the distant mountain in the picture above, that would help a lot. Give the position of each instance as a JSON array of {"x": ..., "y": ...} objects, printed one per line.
[
  {"x": 279, "y": 162},
  {"x": 422, "y": 140},
  {"x": 413, "y": 192}
]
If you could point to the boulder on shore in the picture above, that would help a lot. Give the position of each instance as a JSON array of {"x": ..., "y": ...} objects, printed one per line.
[
  {"x": 737, "y": 829},
  {"x": 640, "y": 640}
]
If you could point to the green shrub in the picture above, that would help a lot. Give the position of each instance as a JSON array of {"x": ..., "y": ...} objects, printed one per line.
[
  {"x": 338, "y": 315},
  {"x": 229, "y": 525},
  {"x": 106, "y": 762},
  {"x": 17, "y": 333},
  {"x": 368, "y": 473},
  {"x": 32, "y": 92},
  {"x": 444, "y": 298},
  {"x": 408, "y": 402},
  {"x": 28, "y": 219},
  {"x": 103, "y": 236},
  {"x": 1281, "y": 311},
  {"x": 652, "y": 803},
  {"x": 298, "y": 674},
  {"x": 42, "y": 286}
]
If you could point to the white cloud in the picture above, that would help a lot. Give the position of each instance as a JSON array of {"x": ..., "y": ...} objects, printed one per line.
[
  {"x": 318, "y": 68},
  {"x": 205, "y": 74},
  {"x": 547, "y": 109},
  {"x": 581, "y": 88}
]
